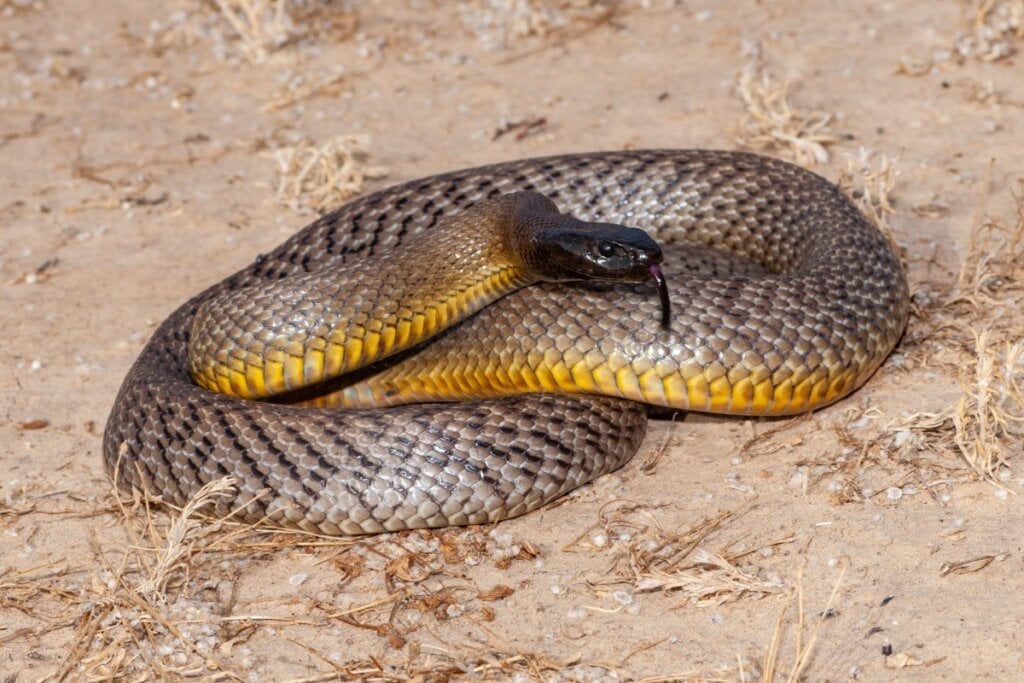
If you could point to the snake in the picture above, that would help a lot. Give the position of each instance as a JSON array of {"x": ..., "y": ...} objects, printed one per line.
[{"x": 391, "y": 367}]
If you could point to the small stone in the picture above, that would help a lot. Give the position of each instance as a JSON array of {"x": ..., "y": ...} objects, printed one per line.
[{"x": 622, "y": 597}]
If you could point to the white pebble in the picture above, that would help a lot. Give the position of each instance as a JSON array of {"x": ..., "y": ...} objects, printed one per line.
[
  {"x": 622, "y": 597},
  {"x": 297, "y": 579}
]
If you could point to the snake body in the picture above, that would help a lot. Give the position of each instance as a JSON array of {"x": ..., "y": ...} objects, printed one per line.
[{"x": 788, "y": 299}]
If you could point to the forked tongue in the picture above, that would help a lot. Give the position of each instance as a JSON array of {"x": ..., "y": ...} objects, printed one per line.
[{"x": 666, "y": 305}]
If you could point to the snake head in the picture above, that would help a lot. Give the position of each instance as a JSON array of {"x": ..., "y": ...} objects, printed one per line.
[
  {"x": 561, "y": 248},
  {"x": 604, "y": 252}
]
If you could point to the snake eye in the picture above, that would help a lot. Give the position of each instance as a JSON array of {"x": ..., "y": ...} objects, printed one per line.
[{"x": 606, "y": 249}]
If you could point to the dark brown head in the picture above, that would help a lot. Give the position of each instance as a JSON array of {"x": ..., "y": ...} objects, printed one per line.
[{"x": 560, "y": 248}]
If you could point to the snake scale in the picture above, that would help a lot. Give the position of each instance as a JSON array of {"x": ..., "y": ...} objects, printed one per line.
[{"x": 784, "y": 298}]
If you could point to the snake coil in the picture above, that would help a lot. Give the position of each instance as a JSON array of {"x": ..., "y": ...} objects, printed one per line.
[{"x": 784, "y": 298}]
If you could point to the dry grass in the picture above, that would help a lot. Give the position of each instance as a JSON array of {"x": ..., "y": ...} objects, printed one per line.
[
  {"x": 805, "y": 636},
  {"x": 262, "y": 27},
  {"x": 252, "y": 30},
  {"x": 503, "y": 23},
  {"x": 772, "y": 124},
  {"x": 490, "y": 659},
  {"x": 871, "y": 185},
  {"x": 974, "y": 330},
  {"x": 995, "y": 30},
  {"x": 322, "y": 177},
  {"x": 986, "y": 425},
  {"x": 135, "y": 617},
  {"x": 651, "y": 558},
  {"x": 164, "y": 604},
  {"x": 992, "y": 273}
]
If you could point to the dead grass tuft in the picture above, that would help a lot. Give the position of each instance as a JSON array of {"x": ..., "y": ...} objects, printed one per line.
[
  {"x": 773, "y": 125},
  {"x": 503, "y": 23},
  {"x": 262, "y": 27},
  {"x": 992, "y": 273},
  {"x": 871, "y": 185},
  {"x": 138, "y": 615},
  {"x": 995, "y": 31},
  {"x": 651, "y": 558},
  {"x": 986, "y": 425},
  {"x": 252, "y": 29},
  {"x": 185, "y": 532},
  {"x": 988, "y": 420},
  {"x": 322, "y": 177},
  {"x": 987, "y": 290}
]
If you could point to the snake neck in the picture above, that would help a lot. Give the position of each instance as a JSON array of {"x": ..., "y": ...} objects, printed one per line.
[
  {"x": 285, "y": 336},
  {"x": 279, "y": 337}
]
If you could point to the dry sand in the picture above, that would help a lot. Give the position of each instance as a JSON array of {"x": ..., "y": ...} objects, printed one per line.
[{"x": 140, "y": 146}]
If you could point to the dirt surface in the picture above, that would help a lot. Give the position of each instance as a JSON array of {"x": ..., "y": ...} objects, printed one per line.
[{"x": 139, "y": 162}]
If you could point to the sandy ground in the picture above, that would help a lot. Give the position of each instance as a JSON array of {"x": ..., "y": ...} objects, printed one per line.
[{"x": 137, "y": 165}]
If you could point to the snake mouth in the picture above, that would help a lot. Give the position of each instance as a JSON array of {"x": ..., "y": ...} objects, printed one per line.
[{"x": 666, "y": 306}]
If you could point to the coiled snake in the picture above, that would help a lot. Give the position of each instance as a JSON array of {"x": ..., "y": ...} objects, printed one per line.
[{"x": 785, "y": 299}]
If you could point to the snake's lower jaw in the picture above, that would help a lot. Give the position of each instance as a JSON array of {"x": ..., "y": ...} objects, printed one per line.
[{"x": 662, "y": 284}]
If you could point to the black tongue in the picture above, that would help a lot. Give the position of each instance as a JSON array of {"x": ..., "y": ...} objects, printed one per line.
[{"x": 666, "y": 305}]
